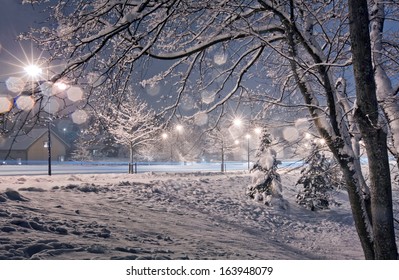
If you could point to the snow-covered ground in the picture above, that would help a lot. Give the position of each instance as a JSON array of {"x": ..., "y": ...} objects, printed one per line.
[{"x": 164, "y": 216}]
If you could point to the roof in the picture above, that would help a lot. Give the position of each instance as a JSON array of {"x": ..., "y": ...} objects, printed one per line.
[{"x": 24, "y": 141}]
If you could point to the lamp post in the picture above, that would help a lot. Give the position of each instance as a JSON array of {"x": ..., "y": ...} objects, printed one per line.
[
  {"x": 248, "y": 136},
  {"x": 49, "y": 145},
  {"x": 34, "y": 72},
  {"x": 165, "y": 137},
  {"x": 179, "y": 129}
]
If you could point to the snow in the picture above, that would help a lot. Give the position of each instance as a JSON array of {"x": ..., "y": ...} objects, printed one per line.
[
  {"x": 165, "y": 216},
  {"x": 268, "y": 158}
]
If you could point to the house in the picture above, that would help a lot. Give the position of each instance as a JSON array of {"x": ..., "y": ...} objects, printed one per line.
[{"x": 33, "y": 146}]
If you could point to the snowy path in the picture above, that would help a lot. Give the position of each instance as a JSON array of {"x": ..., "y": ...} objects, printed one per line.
[{"x": 163, "y": 216}]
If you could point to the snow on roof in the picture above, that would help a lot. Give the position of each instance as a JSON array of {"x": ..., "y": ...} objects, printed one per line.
[{"x": 24, "y": 141}]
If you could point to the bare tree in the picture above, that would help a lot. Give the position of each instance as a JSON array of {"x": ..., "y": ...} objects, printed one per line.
[
  {"x": 131, "y": 123},
  {"x": 372, "y": 131},
  {"x": 81, "y": 151},
  {"x": 221, "y": 143},
  {"x": 216, "y": 50}
]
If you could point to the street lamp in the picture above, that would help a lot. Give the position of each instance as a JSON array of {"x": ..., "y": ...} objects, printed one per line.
[
  {"x": 179, "y": 128},
  {"x": 237, "y": 122},
  {"x": 258, "y": 130},
  {"x": 34, "y": 72}
]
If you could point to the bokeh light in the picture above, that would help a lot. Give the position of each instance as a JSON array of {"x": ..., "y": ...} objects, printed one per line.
[
  {"x": 53, "y": 105},
  {"x": 75, "y": 94},
  {"x": 201, "y": 118},
  {"x": 15, "y": 84},
  {"x": 302, "y": 124},
  {"x": 187, "y": 103},
  {"x": 290, "y": 134},
  {"x": 5, "y": 104},
  {"x": 61, "y": 85},
  {"x": 59, "y": 89},
  {"x": 207, "y": 97},
  {"x": 25, "y": 103},
  {"x": 46, "y": 89},
  {"x": 153, "y": 89},
  {"x": 220, "y": 58},
  {"x": 79, "y": 116}
]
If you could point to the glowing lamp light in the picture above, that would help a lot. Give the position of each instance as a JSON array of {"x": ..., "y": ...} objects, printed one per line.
[
  {"x": 33, "y": 70},
  {"x": 164, "y": 136},
  {"x": 237, "y": 122},
  {"x": 179, "y": 128},
  {"x": 61, "y": 85},
  {"x": 258, "y": 130}
]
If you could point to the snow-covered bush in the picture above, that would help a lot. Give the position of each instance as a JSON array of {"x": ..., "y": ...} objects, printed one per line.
[
  {"x": 266, "y": 182},
  {"x": 318, "y": 179}
]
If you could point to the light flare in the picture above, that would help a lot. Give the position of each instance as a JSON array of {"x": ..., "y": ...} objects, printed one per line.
[
  {"x": 207, "y": 97},
  {"x": 201, "y": 118},
  {"x": 5, "y": 104},
  {"x": 33, "y": 70},
  {"x": 25, "y": 103},
  {"x": 79, "y": 116},
  {"x": 220, "y": 58},
  {"x": 153, "y": 89},
  {"x": 15, "y": 84},
  {"x": 75, "y": 94}
]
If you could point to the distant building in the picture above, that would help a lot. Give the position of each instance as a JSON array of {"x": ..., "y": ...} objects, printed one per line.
[{"x": 33, "y": 147}]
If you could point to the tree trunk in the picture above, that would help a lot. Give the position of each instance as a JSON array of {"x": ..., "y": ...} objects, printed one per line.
[
  {"x": 346, "y": 161},
  {"x": 223, "y": 170},
  {"x": 131, "y": 153},
  {"x": 374, "y": 137},
  {"x": 386, "y": 95}
]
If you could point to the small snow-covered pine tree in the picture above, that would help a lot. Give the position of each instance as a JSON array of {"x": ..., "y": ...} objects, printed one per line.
[
  {"x": 266, "y": 182},
  {"x": 318, "y": 179}
]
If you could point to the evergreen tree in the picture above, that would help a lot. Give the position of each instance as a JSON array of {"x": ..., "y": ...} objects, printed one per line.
[
  {"x": 318, "y": 179},
  {"x": 266, "y": 182}
]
